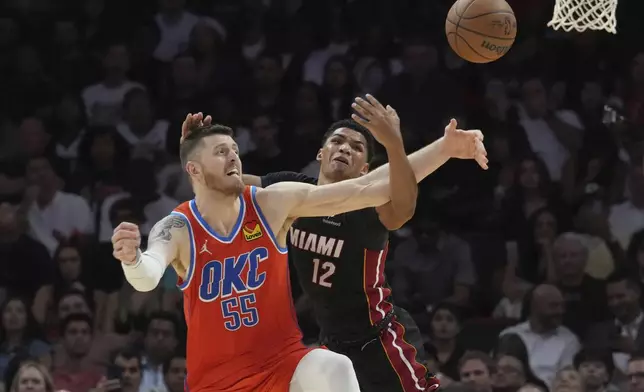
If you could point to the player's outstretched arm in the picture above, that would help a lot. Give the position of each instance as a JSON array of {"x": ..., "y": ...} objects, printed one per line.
[
  {"x": 144, "y": 269},
  {"x": 456, "y": 143},
  {"x": 296, "y": 199}
]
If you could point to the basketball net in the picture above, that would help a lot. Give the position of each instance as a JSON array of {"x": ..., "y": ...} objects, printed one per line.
[{"x": 581, "y": 15}]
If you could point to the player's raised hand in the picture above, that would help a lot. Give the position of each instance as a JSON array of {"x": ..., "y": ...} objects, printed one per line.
[
  {"x": 193, "y": 121},
  {"x": 126, "y": 241},
  {"x": 382, "y": 122},
  {"x": 465, "y": 144}
]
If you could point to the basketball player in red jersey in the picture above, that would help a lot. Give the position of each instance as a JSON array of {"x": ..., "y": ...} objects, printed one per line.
[{"x": 228, "y": 246}]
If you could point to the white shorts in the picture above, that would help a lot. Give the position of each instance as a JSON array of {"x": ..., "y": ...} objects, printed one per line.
[{"x": 324, "y": 371}]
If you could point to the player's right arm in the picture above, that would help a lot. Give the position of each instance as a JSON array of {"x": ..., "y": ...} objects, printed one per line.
[{"x": 144, "y": 269}]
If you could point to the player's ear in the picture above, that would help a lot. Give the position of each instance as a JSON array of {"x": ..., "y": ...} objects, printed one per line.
[
  {"x": 365, "y": 169},
  {"x": 319, "y": 156},
  {"x": 192, "y": 168}
]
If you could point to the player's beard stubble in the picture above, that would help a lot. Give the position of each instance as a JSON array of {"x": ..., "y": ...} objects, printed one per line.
[{"x": 227, "y": 185}]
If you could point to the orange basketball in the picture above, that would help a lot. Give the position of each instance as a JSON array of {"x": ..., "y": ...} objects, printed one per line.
[{"x": 481, "y": 31}]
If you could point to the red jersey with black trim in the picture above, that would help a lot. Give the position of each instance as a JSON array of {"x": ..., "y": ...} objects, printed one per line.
[{"x": 237, "y": 301}]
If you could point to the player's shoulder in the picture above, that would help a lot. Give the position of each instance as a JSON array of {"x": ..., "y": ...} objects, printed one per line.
[{"x": 174, "y": 222}]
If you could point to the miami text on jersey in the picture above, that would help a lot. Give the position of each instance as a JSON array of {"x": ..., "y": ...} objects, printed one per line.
[{"x": 319, "y": 244}]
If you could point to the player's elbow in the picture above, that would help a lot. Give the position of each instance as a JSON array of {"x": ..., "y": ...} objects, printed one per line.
[
  {"x": 143, "y": 285},
  {"x": 146, "y": 273}
]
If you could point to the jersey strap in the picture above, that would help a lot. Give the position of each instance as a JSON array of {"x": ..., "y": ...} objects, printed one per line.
[{"x": 263, "y": 221}]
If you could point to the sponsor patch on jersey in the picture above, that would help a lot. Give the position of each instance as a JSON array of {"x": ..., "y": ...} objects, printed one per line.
[{"x": 252, "y": 230}]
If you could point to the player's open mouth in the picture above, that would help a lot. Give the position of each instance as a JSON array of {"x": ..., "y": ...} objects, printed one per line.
[
  {"x": 342, "y": 160},
  {"x": 233, "y": 172}
]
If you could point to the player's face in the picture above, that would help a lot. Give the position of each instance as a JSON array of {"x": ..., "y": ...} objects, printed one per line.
[
  {"x": 344, "y": 155},
  {"x": 218, "y": 166}
]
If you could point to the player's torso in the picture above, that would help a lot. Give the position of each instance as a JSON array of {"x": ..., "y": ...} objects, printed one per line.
[
  {"x": 340, "y": 264},
  {"x": 237, "y": 300}
]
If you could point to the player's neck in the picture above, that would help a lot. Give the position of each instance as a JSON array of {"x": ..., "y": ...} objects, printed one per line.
[{"x": 219, "y": 210}]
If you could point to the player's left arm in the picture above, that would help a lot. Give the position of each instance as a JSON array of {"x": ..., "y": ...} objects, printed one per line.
[
  {"x": 456, "y": 143},
  {"x": 289, "y": 200},
  {"x": 403, "y": 188}
]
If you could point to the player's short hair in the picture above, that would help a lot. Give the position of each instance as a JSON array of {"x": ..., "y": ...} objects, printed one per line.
[
  {"x": 355, "y": 127},
  {"x": 192, "y": 141},
  {"x": 73, "y": 318}
]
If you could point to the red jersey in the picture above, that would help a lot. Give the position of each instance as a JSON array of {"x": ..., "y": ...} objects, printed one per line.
[{"x": 242, "y": 330}]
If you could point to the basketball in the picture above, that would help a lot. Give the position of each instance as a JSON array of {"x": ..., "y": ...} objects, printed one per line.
[{"x": 481, "y": 31}]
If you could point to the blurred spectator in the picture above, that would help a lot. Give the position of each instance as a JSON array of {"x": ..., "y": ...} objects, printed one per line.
[
  {"x": 140, "y": 128},
  {"x": 550, "y": 345},
  {"x": 635, "y": 373},
  {"x": 54, "y": 215},
  {"x": 552, "y": 134},
  {"x": 432, "y": 254},
  {"x": 621, "y": 334},
  {"x": 142, "y": 188},
  {"x": 102, "y": 344},
  {"x": 175, "y": 25},
  {"x": 24, "y": 278},
  {"x": 124, "y": 374},
  {"x": 174, "y": 371},
  {"x": 568, "y": 380},
  {"x": 70, "y": 274},
  {"x": 159, "y": 344},
  {"x": 32, "y": 377},
  {"x": 445, "y": 325},
  {"x": 102, "y": 161},
  {"x": 104, "y": 100},
  {"x": 627, "y": 218},
  {"x": 19, "y": 333},
  {"x": 76, "y": 374},
  {"x": 512, "y": 374},
  {"x": 584, "y": 296},
  {"x": 596, "y": 370},
  {"x": 265, "y": 132},
  {"x": 477, "y": 368}
]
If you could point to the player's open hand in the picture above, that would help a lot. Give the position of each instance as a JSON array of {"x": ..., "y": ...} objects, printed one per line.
[
  {"x": 193, "y": 121},
  {"x": 126, "y": 241},
  {"x": 382, "y": 122},
  {"x": 465, "y": 144}
]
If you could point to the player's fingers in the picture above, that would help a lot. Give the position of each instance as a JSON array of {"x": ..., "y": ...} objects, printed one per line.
[
  {"x": 123, "y": 235},
  {"x": 478, "y": 134},
  {"x": 127, "y": 226},
  {"x": 185, "y": 125},
  {"x": 208, "y": 120},
  {"x": 482, "y": 161},
  {"x": 451, "y": 127},
  {"x": 126, "y": 245},
  {"x": 361, "y": 111},
  {"x": 359, "y": 120},
  {"x": 368, "y": 107},
  {"x": 392, "y": 111},
  {"x": 375, "y": 102}
]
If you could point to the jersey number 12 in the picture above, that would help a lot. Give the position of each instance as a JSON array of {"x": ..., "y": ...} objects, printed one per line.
[{"x": 322, "y": 272}]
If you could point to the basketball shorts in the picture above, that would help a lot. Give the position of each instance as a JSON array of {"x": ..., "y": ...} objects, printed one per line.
[{"x": 388, "y": 362}]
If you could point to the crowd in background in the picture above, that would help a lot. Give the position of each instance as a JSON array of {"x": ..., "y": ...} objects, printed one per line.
[{"x": 527, "y": 276}]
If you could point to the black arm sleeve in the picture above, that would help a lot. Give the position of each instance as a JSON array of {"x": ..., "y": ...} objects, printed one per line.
[{"x": 284, "y": 176}]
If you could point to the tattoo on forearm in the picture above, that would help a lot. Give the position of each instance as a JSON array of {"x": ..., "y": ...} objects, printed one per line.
[{"x": 161, "y": 231}]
